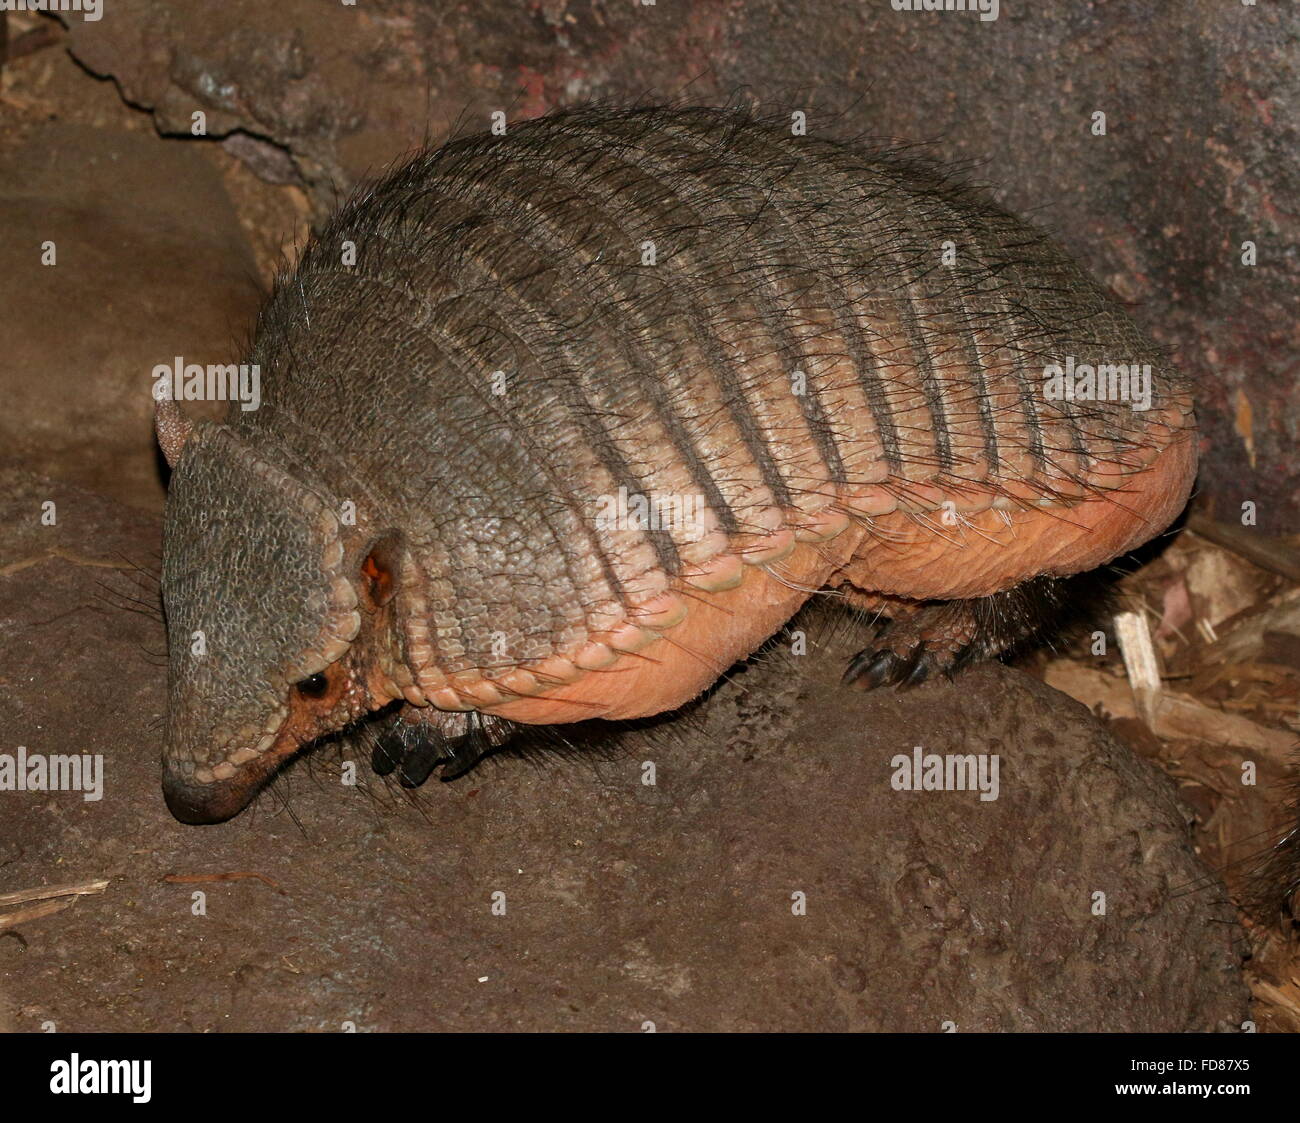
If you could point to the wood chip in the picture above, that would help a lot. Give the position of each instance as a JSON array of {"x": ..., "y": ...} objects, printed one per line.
[
  {"x": 74, "y": 889},
  {"x": 1272, "y": 554},
  {"x": 237, "y": 875},
  {"x": 1140, "y": 661},
  {"x": 1177, "y": 718},
  {"x": 35, "y": 912}
]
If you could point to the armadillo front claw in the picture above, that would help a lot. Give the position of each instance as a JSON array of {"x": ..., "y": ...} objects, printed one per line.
[
  {"x": 387, "y": 753},
  {"x": 407, "y": 750},
  {"x": 414, "y": 753},
  {"x": 460, "y": 755},
  {"x": 420, "y": 759},
  {"x": 456, "y": 741}
]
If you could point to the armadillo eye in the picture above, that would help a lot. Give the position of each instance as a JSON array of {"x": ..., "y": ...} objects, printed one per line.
[{"x": 314, "y": 686}]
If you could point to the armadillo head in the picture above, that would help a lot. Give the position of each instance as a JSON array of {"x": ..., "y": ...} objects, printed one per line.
[{"x": 272, "y": 626}]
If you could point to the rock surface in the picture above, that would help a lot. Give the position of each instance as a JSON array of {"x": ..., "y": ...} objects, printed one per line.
[
  {"x": 625, "y": 904},
  {"x": 148, "y": 263}
]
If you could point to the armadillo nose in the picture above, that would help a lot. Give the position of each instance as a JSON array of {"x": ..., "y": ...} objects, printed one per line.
[{"x": 195, "y": 803}]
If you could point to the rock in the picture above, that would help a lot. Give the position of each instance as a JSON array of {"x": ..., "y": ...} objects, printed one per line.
[
  {"x": 150, "y": 264},
  {"x": 770, "y": 878}
]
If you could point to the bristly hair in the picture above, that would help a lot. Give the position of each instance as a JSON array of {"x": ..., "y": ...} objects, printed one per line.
[{"x": 1272, "y": 891}]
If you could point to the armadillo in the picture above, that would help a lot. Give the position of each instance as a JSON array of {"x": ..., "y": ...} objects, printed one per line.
[{"x": 562, "y": 423}]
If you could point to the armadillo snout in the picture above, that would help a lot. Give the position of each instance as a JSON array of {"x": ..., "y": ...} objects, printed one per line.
[{"x": 191, "y": 801}]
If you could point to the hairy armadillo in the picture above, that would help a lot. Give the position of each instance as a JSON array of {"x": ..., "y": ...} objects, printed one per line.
[{"x": 562, "y": 423}]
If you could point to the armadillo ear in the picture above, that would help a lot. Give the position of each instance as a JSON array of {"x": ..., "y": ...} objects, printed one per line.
[
  {"x": 173, "y": 429},
  {"x": 380, "y": 567}
]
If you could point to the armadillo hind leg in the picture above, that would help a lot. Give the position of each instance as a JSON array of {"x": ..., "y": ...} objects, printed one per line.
[{"x": 942, "y": 637}]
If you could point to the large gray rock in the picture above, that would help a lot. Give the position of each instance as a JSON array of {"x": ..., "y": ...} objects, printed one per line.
[
  {"x": 624, "y": 903},
  {"x": 150, "y": 263}
]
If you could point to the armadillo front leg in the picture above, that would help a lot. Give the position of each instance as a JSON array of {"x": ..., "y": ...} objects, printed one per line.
[{"x": 415, "y": 740}]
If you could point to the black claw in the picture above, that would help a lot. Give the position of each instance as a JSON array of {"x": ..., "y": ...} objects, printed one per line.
[
  {"x": 870, "y": 669},
  {"x": 916, "y": 670},
  {"x": 851, "y": 672},
  {"x": 415, "y": 750},
  {"x": 387, "y": 753},
  {"x": 889, "y": 671},
  {"x": 421, "y": 759},
  {"x": 907, "y": 666},
  {"x": 461, "y": 755},
  {"x": 965, "y": 657},
  {"x": 873, "y": 668}
]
